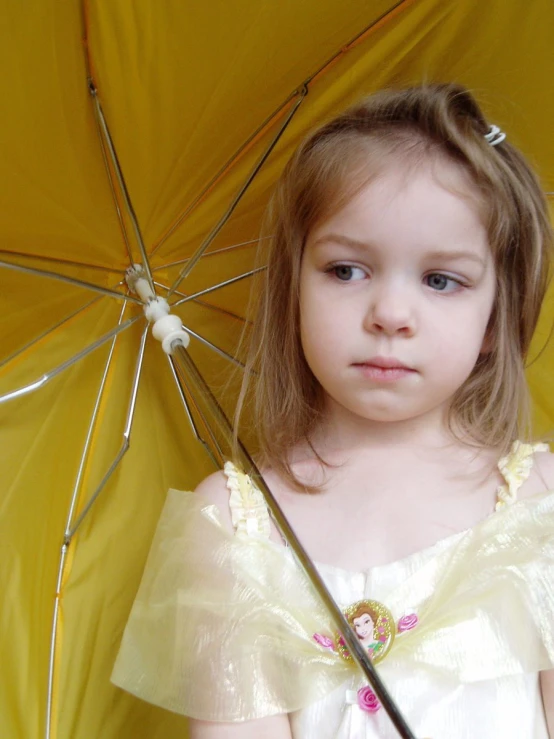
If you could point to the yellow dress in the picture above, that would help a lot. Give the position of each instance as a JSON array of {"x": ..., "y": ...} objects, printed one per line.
[{"x": 226, "y": 628}]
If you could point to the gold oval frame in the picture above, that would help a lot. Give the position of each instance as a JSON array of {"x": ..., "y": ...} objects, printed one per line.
[{"x": 383, "y": 622}]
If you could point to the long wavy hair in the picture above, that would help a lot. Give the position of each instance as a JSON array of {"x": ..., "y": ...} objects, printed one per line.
[{"x": 442, "y": 121}]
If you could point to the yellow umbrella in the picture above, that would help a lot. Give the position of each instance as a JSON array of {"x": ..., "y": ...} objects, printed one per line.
[{"x": 198, "y": 98}]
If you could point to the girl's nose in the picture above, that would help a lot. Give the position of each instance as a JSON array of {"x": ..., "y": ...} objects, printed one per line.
[{"x": 390, "y": 312}]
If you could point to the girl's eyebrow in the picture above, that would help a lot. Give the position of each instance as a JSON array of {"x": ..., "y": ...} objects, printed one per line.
[
  {"x": 452, "y": 255},
  {"x": 439, "y": 254},
  {"x": 340, "y": 239}
]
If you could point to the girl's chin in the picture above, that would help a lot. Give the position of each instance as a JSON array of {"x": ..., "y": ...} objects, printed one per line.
[
  {"x": 399, "y": 411},
  {"x": 372, "y": 416}
]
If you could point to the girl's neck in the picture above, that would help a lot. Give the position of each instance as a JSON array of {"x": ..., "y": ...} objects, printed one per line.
[{"x": 344, "y": 432}]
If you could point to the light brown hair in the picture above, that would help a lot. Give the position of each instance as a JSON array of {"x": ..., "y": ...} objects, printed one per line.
[
  {"x": 360, "y": 611},
  {"x": 328, "y": 169}
]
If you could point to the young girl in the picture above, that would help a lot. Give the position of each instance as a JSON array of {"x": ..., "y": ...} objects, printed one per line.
[{"x": 405, "y": 275}]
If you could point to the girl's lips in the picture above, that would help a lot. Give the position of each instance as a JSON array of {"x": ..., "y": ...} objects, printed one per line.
[
  {"x": 380, "y": 373},
  {"x": 385, "y": 363}
]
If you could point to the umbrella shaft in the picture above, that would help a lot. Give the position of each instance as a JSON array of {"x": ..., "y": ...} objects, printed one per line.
[{"x": 199, "y": 386}]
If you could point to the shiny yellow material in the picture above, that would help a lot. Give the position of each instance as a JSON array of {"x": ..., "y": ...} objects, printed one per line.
[
  {"x": 193, "y": 93},
  {"x": 223, "y": 627},
  {"x": 209, "y": 592}
]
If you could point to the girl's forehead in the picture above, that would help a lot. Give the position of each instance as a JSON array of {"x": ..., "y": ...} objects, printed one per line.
[
  {"x": 401, "y": 208},
  {"x": 394, "y": 211},
  {"x": 436, "y": 177},
  {"x": 425, "y": 186}
]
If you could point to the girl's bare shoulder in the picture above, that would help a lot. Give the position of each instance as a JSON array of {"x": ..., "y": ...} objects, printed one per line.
[
  {"x": 213, "y": 487},
  {"x": 215, "y": 491}
]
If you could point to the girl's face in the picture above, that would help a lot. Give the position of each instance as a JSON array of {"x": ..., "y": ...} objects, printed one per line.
[
  {"x": 396, "y": 291},
  {"x": 363, "y": 626}
]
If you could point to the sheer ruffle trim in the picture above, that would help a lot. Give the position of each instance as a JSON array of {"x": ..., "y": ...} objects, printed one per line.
[
  {"x": 249, "y": 512},
  {"x": 515, "y": 468},
  {"x": 222, "y": 628},
  {"x": 486, "y": 605}
]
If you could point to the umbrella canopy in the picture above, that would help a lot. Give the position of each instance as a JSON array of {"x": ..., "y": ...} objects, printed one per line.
[{"x": 204, "y": 102}]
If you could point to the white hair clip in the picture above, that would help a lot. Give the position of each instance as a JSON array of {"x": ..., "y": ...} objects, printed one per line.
[{"x": 495, "y": 136}]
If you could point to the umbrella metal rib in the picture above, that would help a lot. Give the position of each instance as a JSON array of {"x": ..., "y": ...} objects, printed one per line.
[
  {"x": 126, "y": 436},
  {"x": 190, "y": 417},
  {"x": 223, "y": 311},
  {"x": 236, "y": 200},
  {"x": 32, "y": 386},
  {"x": 59, "y": 260},
  {"x": 219, "y": 285},
  {"x": 106, "y": 138},
  {"x": 53, "y": 641},
  {"x": 48, "y": 331},
  {"x": 204, "y": 304},
  {"x": 213, "y": 347},
  {"x": 92, "y": 424},
  {"x": 228, "y": 164},
  {"x": 70, "y": 280},
  {"x": 215, "y": 252},
  {"x": 71, "y": 526},
  {"x": 361, "y": 657},
  {"x": 51, "y": 330},
  {"x": 205, "y": 423},
  {"x": 113, "y": 191},
  {"x": 183, "y": 385}
]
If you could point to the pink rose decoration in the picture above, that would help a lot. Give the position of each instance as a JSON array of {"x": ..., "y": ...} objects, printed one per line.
[
  {"x": 345, "y": 652},
  {"x": 408, "y": 622},
  {"x": 367, "y": 700},
  {"x": 324, "y": 641}
]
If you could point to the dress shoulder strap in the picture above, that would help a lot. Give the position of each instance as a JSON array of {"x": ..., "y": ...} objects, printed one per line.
[
  {"x": 249, "y": 512},
  {"x": 515, "y": 468}
]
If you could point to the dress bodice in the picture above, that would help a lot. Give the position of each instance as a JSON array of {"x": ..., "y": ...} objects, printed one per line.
[
  {"x": 225, "y": 626},
  {"x": 437, "y": 705}
]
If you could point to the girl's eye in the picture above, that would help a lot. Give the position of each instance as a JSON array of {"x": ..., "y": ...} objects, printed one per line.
[
  {"x": 442, "y": 283},
  {"x": 347, "y": 273}
]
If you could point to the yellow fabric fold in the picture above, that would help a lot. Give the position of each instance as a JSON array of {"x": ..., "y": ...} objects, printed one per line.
[
  {"x": 222, "y": 627},
  {"x": 486, "y": 604}
]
